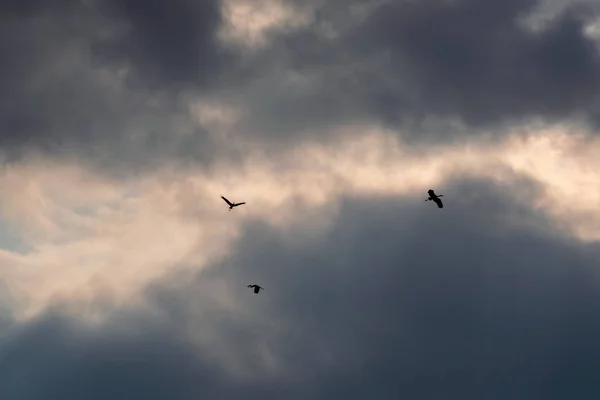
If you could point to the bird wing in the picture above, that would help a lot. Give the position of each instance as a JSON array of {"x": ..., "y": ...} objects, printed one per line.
[
  {"x": 438, "y": 202},
  {"x": 239, "y": 204},
  {"x": 431, "y": 192},
  {"x": 226, "y": 201}
]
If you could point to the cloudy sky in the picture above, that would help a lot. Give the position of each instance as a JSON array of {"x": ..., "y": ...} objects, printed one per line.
[{"x": 123, "y": 275}]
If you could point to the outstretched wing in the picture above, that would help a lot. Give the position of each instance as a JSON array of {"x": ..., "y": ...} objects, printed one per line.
[
  {"x": 438, "y": 202},
  {"x": 239, "y": 204},
  {"x": 226, "y": 201}
]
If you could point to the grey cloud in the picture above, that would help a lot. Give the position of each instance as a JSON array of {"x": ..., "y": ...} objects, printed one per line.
[
  {"x": 56, "y": 358},
  {"x": 483, "y": 299},
  {"x": 174, "y": 42},
  {"x": 167, "y": 42},
  {"x": 476, "y": 62},
  {"x": 437, "y": 70},
  {"x": 32, "y": 7},
  {"x": 424, "y": 66},
  {"x": 90, "y": 82}
]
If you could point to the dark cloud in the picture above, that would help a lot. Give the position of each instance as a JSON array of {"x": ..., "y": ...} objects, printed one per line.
[
  {"x": 28, "y": 8},
  {"x": 103, "y": 83},
  {"x": 480, "y": 300},
  {"x": 438, "y": 69},
  {"x": 171, "y": 42},
  {"x": 110, "y": 81},
  {"x": 483, "y": 299},
  {"x": 54, "y": 358},
  {"x": 474, "y": 60},
  {"x": 174, "y": 41}
]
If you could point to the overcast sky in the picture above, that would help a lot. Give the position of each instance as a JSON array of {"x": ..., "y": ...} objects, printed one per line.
[{"x": 123, "y": 275}]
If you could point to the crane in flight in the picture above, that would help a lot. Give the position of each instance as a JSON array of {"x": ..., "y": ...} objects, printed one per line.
[
  {"x": 435, "y": 198},
  {"x": 256, "y": 288},
  {"x": 231, "y": 205}
]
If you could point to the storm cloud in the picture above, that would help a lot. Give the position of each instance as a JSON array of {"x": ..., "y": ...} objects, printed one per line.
[
  {"x": 113, "y": 83},
  {"x": 171, "y": 42},
  {"x": 482, "y": 299},
  {"x": 434, "y": 70},
  {"x": 122, "y": 122},
  {"x": 102, "y": 81}
]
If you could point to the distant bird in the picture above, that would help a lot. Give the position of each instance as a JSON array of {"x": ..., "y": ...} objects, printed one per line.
[
  {"x": 435, "y": 198},
  {"x": 231, "y": 205},
  {"x": 256, "y": 288}
]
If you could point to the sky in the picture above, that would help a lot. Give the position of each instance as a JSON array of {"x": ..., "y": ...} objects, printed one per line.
[{"x": 123, "y": 275}]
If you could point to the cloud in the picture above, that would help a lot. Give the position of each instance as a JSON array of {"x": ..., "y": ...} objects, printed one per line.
[
  {"x": 171, "y": 42},
  {"x": 251, "y": 26},
  {"x": 83, "y": 235},
  {"x": 434, "y": 71},
  {"x": 398, "y": 298},
  {"x": 102, "y": 83},
  {"x": 121, "y": 125},
  {"x": 152, "y": 365},
  {"x": 96, "y": 82}
]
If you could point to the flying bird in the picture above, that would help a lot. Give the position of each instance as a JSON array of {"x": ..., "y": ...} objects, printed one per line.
[
  {"x": 256, "y": 288},
  {"x": 435, "y": 198},
  {"x": 231, "y": 205}
]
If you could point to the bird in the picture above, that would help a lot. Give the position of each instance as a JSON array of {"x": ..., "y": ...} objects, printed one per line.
[
  {"x": 231, "y": 205},
  {"x": 256, "y": 288},
  {"x": 435, "y": 198}
]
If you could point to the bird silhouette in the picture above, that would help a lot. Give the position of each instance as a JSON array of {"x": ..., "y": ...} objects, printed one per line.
[
  {"x": 231, "y": 205},
  {"x": 435, "y": 198},
  {"x": 256, "y": 288}
]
